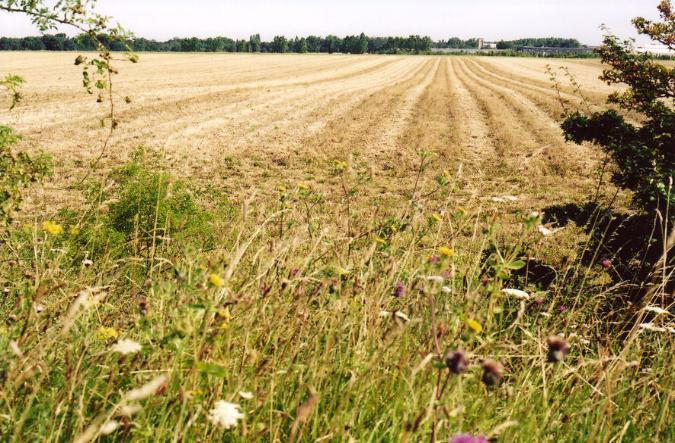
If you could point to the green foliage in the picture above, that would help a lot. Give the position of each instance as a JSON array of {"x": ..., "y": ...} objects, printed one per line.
[
  {"x": 643, "y": 153},
  {"x": 12, "y": 83},
  {"x": 16, "y": 172}
]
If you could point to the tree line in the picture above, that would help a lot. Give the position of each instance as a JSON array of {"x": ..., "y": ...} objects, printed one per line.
[
  {"x": 351, "y": 44},
  {"x": 472, "y": 43}
]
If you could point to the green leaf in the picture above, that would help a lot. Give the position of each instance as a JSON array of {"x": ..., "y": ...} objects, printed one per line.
[
  {"x": 516, "y": 265},
  {"x": 212, "y": 369}
]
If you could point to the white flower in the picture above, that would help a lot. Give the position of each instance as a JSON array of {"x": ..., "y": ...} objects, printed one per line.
[
  {"x": 109, "y": 427},
  {"x": 395, "y": 315},
  {"x": 545, "y": 314},
  {"x": 521, "y": 295},
  {"x": 652, "y": 327},
  {"x": 446, "y": 290},
  {"x": 87, "y": 262},
  {"x": 126, "y": 346},
  {"x": 385, "y": 314},
  {"x": 246, "y": 395},
  {"x": 436, "y": 279},
  {"x": 402, "y": 316},
  {"x": 505, "y": 198},
  {"x": 535, "y": 214},
  {"x": 656, "y": 310},
  {"x": 16, "y": 350},
  {"x": 225, "y": 414}
]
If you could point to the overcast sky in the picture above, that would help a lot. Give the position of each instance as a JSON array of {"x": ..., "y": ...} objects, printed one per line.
[{"x": 491, "y": 19}]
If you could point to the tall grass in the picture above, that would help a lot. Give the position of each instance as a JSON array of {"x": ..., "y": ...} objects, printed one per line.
[{"x": 335, "y": 321}]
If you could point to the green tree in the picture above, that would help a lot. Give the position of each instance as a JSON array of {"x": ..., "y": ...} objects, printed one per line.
[
  {"x": 255, "y": 43},
  {"x": 280, "y": 44},
  {"x": 644, "y": 153}
]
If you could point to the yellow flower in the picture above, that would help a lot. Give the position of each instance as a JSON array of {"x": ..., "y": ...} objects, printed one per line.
[
  {"x": 216, "y": 280},
  {"x": 444, "y": 251},
  {"x": 52, "y": 228},
  {"x": 104, "y": 333},
  {"x": 74, "y": 231},
  {"x": 380, "y": 240},
  {"x": 281, "y": 188},
  {"x": 473, "y": 324},
  {"x": 303, "y": 187}
]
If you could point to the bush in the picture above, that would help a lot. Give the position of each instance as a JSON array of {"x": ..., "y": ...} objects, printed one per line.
[{"x": 644, "y": 154}]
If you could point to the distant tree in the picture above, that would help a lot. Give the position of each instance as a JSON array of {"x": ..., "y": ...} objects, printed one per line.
[
  {"x": 255, "y": 42},
  {"x": 280, "y": 44}
]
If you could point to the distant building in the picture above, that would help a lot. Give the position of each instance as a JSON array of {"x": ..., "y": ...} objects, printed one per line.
[
  {"x": 655, "y": 49},
  {"x": 482, "y": 44},
  {"x": 545, "y": 51}
]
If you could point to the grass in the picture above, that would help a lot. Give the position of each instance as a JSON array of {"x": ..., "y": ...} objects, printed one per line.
[{"x": 289, "y": 296}]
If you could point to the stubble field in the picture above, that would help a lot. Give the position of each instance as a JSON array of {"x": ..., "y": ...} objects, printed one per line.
[{"x": 307, "y": 237}]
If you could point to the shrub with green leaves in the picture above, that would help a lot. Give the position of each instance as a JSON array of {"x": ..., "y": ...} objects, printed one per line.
[{"x": 644, "y": 153}]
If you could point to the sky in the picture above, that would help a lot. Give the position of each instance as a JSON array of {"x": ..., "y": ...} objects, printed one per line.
[{"x": 440, "y": 19}]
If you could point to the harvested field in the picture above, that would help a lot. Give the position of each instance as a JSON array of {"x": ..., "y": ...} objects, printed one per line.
[{"x": 243, "y": 119}]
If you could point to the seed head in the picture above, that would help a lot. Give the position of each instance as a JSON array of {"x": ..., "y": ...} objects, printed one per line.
[
  {"x": 456, "y": 361},
  {"x": 557, "y": 348},
  {"x": 493, "y": 372}
]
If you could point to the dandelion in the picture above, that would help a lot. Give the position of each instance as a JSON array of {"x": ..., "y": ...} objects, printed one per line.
[
  {"x": 105, "y": 334},
  {"x": 126, "y": 346},
  {"x": 446, "y": 252},
  {"x": 467, "y": 438},
  {"x": 225, "y": 414},
  {"x": 557, "y": 349},
  {"x": 456, "y": 361},
  {"x": 474, "y": 325},
  {"x": 493, "y": 372},
  {"x": 399, "y": 290},
  {"x": 52, "y": 228},
  {"x": 521, "y": 295},
  {"x": 216, "y": 280},
  {"x": 246, "y": 395}
]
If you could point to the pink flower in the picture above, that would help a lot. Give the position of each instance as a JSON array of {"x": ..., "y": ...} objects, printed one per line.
[{"x": 467, "y": 438}]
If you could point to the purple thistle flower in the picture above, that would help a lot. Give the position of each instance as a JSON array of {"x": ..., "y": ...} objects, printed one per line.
[
  {"x": 456, "y": 361},
  {"x": 467, "y": 438},
  {"x": 606, "y": 263},
  {"x": 399, "y": 290},
  {"x": 562, "y": 309}
]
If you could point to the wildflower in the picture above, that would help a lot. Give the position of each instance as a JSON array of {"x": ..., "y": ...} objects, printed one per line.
[
  {"x": 109, "y": 427},
  {"x": 456, "y": 361},
  {"x": 493, "y": 372},
  {"x": 104, "y": 333},
  {"x": 562, "y": 308},
  {"x": 446, "y": 252},
  {"x": 521, "y": 295},
  {"x": 436, "y": 279},
  {"x": 433, "y": 260},
  {"x": 656, "y": 310},
  {"x": 5, "y": 291},
  {"x": 225, "y": 414},
  {"x": 467, "y": 438},
  {"x": 87, "y": 262},
  {"x": 557, "y": 348},
  {"x": 281, "y": 188},
  {"x": 606, "y": 263},
  {"x": 73, "y": 231},
  {"x": 399, "y": 290},
  {"x": 216, "y": 280},
  {"x": 474, "y": 325},
  {"x": 52, "y": 228},
  {"x": 16, "y": 350},
  {"x": 380, "y": 240},
  {"x": 126, "y": 346},
  {"x": 246, "y": 395},
  {"x": 38, "y": 308},
  {"x": 446, "y": 290},
  {"x": 535, "y": 214}
]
